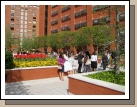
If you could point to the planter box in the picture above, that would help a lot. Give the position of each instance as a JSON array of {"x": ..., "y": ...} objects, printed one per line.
[
  {"x": 31, "y": 73},
  {"x": 80, "y": 85}
]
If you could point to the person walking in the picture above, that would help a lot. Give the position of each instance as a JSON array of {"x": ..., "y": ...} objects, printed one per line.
[
  {"x": 61, "y": 61},
  {"x": 80, "y": 56},
  {"x": 94, "y": 61},
  {"x": 104, "y": 60}
]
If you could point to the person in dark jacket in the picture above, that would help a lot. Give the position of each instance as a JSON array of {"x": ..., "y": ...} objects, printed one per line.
[
  {"x": 80, "y": 56},
  {"x": 104, "y": 60}
]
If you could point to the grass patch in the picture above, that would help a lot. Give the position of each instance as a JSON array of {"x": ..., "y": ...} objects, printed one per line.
[{"x": 109, "y": 76}]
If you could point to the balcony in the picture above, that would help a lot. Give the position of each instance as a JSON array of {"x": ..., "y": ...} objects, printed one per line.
[
  {"x": 66, "y": 18},
  {"x": 80, "y": 13},
  {"x": 79, "y": 25},
  {"x": 66, "y": 28},
  {"x": 101, "y": 20},
  {"x": 100, "y": 7},
  {"x": 53, "y": 6},
  {"x": 66, "y": 8},
  {"x": 54, "y": 22},
  {"x": 54, "y": 13},
  {"x": 54, "y": 31}
]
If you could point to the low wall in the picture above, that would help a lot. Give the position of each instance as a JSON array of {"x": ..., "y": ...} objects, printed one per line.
[
  {"x": 80, "y": 85},
  {"x": 31, "y": 73}
]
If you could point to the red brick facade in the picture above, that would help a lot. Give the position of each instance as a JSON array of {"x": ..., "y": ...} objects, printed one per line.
[
  {"x": 31, "y": 74},
  {"x": 79, "y": 87}
]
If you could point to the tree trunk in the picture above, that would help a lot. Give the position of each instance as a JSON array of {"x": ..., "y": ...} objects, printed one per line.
[{"x": 117, "y": 62}]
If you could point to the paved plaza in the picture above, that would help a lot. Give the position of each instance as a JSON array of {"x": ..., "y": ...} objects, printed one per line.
[{"x": 48, "y": 86}]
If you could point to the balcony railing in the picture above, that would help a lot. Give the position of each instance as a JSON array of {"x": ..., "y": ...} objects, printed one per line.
[
  {"x": 53, "y": 6},
  {"x": 54, "y": 22},
  {"x": 101, "y": 20},
  {"x": 66, "y": 8},
  {"x": 54, "y": 13},
  {"x": 79, "y": 25},
  {"x": 54, "y": 31},
  {"x": 66, "y": 18},
  {"x": 99, "y": 7},
  {"x": 82, "y": 12},
  {"x": 65, "y": 28}
]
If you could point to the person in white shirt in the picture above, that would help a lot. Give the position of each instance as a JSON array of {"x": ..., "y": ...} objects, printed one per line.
[{"x": 94, "y": 61}]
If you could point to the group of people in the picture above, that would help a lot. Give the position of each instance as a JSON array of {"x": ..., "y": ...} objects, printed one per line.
[
  {"x": 87, "y": 61},
  {"x": 65, "y": 64}
]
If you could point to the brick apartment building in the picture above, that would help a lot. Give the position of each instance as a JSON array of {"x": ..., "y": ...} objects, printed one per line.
[{"x": 46, "y": 19}]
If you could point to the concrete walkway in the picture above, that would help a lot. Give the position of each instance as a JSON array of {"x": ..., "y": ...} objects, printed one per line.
[{"x": 50, "y": 86}]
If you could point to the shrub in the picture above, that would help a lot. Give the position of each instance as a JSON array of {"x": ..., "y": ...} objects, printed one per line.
[
  {"x": 9, "y": 60},
  {"x": 109, "y": 76}
]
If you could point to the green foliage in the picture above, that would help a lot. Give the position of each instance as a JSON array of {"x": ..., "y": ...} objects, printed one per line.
[
  {"x": 9, "y": 60},
  {"x": 109, "y": 76},
  {"x": 8, "y": 35},
  {"x": 80, "y": 40}
]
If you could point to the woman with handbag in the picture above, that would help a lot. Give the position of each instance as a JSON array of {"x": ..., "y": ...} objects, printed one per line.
[
  {"x": 86, "y": 62},
  {"x": 61, "y": 61}
]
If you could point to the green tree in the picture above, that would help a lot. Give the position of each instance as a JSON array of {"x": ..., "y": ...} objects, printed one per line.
[
  {"x": 101, "y": 36},
  {"x": 80, "y": 40},
  {"x": 8, "y": 36},
  {"x": 118, "y": 27}
]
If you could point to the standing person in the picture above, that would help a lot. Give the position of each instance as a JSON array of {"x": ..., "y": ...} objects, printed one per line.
[
  {"x": 104, "y": 60},
  {"x": 84, "y": 60},
  {"x": 67, "y": 64},
  {"x": 80, "y": 56},
  {"x": 94, "y": 61},
  {"x": 61, "y": 61},
  {"x": 108, "y": 61}
]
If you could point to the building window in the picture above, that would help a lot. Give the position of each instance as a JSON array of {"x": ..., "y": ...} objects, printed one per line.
[
  {"x": 21, "y": 34},
  {"x": 22, "y": 13},
  {"x": 17, "y": 20},
  {"x": 29, "y": 34},
  {"x": 22, "y": 9},
  {"x": 12, "y": 24},
  {"x": 25, "y": 18},
  {"x": 25, "y": 26},
  {"x": 21, "y": 21},
  {"x": 29, "y": 30},
  {"x": 26, "y": 14},
  {"x": 25, "y": 22},
  {"x": 17, "y": 24},
  {"x": 25, "y": 30},
  {"x": 22, "y": 17},
  {"x": 21, "y": 30},
  {"x": 21, "y": 26},
  {"x": 17, "y": 12}
]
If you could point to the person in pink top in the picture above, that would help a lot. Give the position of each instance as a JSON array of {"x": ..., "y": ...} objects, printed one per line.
[{"x": 61, "y": 61}]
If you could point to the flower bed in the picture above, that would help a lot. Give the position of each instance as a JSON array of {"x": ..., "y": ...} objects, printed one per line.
[
  {"x": 19, "y": 56},
  {"x": 34, "y": 62}
]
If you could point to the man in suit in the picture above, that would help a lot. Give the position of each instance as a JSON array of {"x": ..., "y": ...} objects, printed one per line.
[
  {"x": 104, "y": 60},
  {"x": 80, "y": 56}
]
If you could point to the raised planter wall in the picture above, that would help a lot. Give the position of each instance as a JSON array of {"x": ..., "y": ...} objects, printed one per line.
[
  {"x": 79, "y": 86},
  {"x": 23, "y": 74}
]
